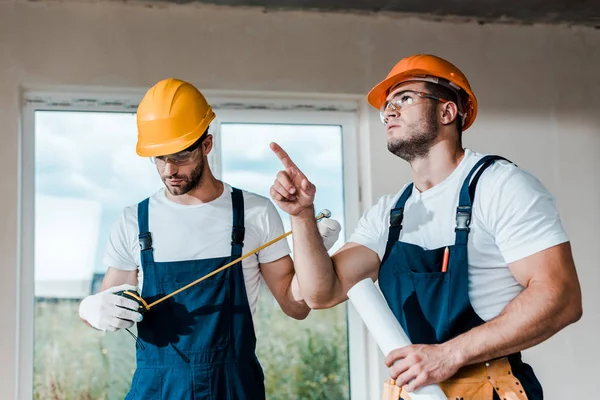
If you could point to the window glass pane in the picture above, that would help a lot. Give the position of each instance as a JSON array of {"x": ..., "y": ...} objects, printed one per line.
[
  {"x": 86, "y": 171},
  {"x": 301, "y": 359}
]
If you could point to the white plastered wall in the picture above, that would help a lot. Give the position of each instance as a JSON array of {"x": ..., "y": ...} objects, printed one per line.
[{"x": 538, "y": 87}]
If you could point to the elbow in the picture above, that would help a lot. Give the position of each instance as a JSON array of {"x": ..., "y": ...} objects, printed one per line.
[
  {"x": 301, "y": 316},
  {"x": 320, "y": 297},
  {"x": 575, "y": 305},
  {"x": 315, "y": 305},
  {"x": 575, "y": 311},
  {"x": 577, "y": 316},
  {"x": 319, "y": 303},
  {"x": 296, "y": 313}
]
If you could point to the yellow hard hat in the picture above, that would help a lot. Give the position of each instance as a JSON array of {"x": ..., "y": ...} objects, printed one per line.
[
  {"x": 429, "y": 68},
  {"x": 172, "y": 116}
]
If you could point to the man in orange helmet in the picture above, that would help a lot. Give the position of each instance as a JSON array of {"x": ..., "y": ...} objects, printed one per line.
[
  {"x": 200, "y": 343},
  {"x": 473, "y": 280}
]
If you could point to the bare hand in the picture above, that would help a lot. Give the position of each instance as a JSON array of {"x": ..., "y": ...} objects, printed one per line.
[
  {"x": 291, "y": 191},
  {"x": 416, "y": 366}
]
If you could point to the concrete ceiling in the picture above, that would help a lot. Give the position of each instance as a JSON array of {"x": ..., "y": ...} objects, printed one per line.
[{"x": 572, "y": 12}]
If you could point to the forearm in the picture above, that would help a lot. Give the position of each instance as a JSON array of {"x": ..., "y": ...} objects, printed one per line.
[
  {"x": 532, "y": 317},
  {"x": 116, "y": 277},
  {"x": 314, "y": 268}
]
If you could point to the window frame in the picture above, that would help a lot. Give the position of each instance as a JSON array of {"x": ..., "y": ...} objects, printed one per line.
[{"x": 230, "y": 107}]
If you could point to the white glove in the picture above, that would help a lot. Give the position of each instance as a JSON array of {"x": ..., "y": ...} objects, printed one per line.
[
  {"x": 330, "y": 231},
  {"x": 106, "y": 311}
]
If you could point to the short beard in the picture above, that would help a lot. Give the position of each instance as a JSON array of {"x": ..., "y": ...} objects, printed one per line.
[
  {"x": 192, "y": 181},
  {"x": 421, "y": 137}
]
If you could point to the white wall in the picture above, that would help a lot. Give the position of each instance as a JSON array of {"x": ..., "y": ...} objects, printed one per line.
[{"x": 538, "y": 86}]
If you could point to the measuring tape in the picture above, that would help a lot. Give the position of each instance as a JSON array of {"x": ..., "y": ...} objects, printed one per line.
[{"x": 145, "y": 307}]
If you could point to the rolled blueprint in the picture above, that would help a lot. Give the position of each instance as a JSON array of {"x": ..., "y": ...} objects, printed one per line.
[{"x": 383, "y": 326}]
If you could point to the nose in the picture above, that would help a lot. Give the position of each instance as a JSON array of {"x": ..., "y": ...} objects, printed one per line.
[
  {"x": 169, "y": 169},
  {"x": 390, "y": 111}
]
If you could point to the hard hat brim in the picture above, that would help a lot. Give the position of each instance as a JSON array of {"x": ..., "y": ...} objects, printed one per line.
[
  {"x": 379, "y": 93},
  {"x": 144, "y": 149}
]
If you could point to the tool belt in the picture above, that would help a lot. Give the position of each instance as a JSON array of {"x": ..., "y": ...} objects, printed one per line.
[{"x": 473, "y": 382}]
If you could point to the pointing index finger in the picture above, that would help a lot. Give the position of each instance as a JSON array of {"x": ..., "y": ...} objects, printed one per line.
[{"x": 283, "y": 156}]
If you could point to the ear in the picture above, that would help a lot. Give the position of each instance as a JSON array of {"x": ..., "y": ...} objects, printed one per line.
[
  {"x": 449, "y": 113},
  {"x": 207, "y": 144}
]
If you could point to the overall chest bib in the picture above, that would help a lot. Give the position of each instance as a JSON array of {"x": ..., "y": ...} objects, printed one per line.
[
  {"x": 434, "y": 306},
  {"x": 200, "y": 343}
]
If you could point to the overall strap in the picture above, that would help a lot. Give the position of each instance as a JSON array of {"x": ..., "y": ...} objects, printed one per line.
[
  {"x": 467, "y": 196},
  {"x": 238, "y": 232},
  {"x": 396, "y": 216},
  {"x": 145, "y": 237}
]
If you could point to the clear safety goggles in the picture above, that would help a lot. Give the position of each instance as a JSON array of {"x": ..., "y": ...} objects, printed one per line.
[
  {"x": 181, "y": 158},
  {"x": 406, "y": 99}
]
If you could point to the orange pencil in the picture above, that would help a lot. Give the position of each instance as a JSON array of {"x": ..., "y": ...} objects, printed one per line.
[{"x": 445, "y": 261}]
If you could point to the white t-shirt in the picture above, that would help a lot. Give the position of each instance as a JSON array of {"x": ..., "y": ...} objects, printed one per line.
[
  {"x": 192, "y": 232},
  {"x": 513, "y": 217}
]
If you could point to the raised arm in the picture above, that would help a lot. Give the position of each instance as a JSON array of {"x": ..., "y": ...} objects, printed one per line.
[{"x": 323, "y": 280}]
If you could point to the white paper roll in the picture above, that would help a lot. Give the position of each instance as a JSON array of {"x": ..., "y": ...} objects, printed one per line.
[{"x": 383, "y": 326}]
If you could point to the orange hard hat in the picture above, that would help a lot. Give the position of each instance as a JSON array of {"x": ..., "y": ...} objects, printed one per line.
[
  {"x": 428, "y": 68},
  {"x": 172, "y": 116}
]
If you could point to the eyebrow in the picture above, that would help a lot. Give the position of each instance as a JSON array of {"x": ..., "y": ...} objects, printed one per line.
[{"x": 402, "y": 92}]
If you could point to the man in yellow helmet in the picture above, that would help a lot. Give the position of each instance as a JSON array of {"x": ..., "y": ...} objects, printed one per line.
[
  {"x": 200, "y": 343},
  {"x": 472, "y": 279}
]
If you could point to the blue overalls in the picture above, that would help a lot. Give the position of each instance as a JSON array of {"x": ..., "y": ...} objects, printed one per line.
[
  {"x": 432, "y": 306},
  {"x": 200, "y": 343}
]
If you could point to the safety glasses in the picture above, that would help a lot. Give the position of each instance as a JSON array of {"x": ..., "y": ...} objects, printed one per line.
[
  {"x": 179, "y": 159},
  {"x": 406, "y": 99}
]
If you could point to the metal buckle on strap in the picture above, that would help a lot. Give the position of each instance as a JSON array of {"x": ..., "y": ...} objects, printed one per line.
[
  {"x": 463, "y": 218},
  {"x": 145, "y": 241},
  {"x": 237, "y": 235},
  {"x": 396, "y": 216}
]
